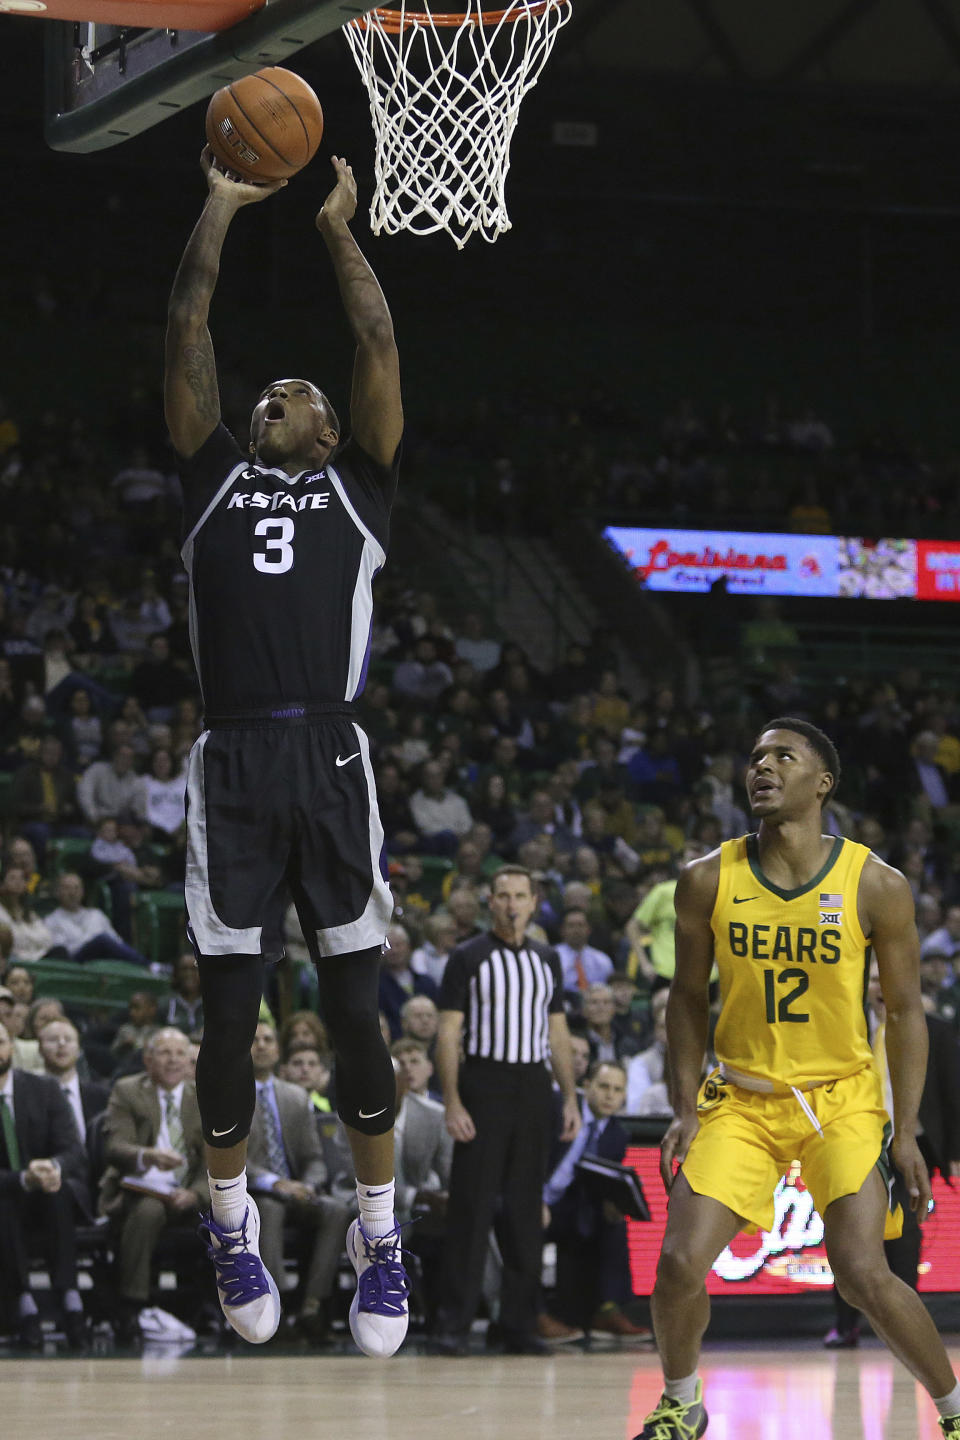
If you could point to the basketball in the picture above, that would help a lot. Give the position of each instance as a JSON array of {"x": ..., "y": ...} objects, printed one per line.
[{"x": 265, "y": 126}]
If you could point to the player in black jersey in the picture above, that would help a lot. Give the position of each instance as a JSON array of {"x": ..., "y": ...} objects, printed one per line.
[{"x": 281, "y": 544}]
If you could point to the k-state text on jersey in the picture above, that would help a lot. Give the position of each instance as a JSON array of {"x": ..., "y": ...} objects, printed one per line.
[{"x": 279, "y": 500}]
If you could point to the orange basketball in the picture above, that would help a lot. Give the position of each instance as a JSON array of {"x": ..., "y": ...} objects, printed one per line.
[{"x": 265, "y": 126}]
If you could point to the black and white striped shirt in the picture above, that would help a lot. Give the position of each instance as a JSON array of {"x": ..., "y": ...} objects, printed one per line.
[{"x": 506, "y": 994}]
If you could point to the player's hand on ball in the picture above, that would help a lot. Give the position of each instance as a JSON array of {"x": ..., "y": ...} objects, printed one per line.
[
  {"x": 341, "y": 203},
  {"x": 674, "y": 1146},
  {"x": 231, "y": 187}
]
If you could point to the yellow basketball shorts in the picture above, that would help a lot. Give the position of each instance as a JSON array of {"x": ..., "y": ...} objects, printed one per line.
[{"x": 748, "y": 1140}]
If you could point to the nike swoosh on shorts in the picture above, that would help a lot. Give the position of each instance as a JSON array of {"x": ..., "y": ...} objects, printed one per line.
[
  {"x": 348, "y": 759},
  {"x": 218, "y": 1133},
  {"x": 373, "y": 1113}
]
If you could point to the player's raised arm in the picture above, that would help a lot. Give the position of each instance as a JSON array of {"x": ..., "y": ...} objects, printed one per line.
[
  {"x": 190, "y": 394},
  {"x": 688, "y": 1010},
  {"x": 376, "y": 411},
  {"x": 888, "y": 913}
]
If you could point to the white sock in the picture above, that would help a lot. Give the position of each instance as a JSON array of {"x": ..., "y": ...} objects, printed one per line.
[
  {"x": 228, "y": 1200},
  {"x": 376, "y": 1209},
  {"x": 72, "y": 1302},
  {"x": 950, "y": 1404},
  {"x": 27, "y": 1305},
  {"x": 684, "y": 1390}
]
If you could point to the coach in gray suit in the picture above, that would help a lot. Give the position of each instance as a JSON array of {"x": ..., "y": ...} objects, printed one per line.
[
  {"x": 423, "y": 1151},
  {"x": 152, "y": 1137},
  {"x": 285, "y": 1170}
]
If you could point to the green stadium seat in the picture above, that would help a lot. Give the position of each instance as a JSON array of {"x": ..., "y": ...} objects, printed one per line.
[
  {"x": 435, "y": 867},
  {"x": 116, "y": 679},
  {"x": 118, "y": 980},
  {"x": 64, "y": 980},
  {"x": 98, "y": 984},
  {"x": 159, "y": 925},
  {"x": 64, "y": 852}
]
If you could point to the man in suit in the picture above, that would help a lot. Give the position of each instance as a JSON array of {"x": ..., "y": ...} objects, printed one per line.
[
  {"x": 583, "y": 964},
  {"x": 423, "y": 1150},
  {"x": 156, "y": 1172},
  {"x": 593, "y": 1269},
  {"x": 413, "y": 1062},
  {"x": 398, "y": 983},
  {"x": 59, "y": 1044},
  {"x": 929, "y": 778},
  {"x": 39, "y": 1149},
  {"x": 285, "y": 1170},
  {"x": 312, "y": 1070}
]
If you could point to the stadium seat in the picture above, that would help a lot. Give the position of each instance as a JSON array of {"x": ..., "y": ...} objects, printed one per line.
[
  {"x": 159, "y": 925},
  {"x": 64, "y": 852},
  {"x": 435, "y": 867},
  {"x": 93, "y": 985},
  {"x": 6, "y": 784}
]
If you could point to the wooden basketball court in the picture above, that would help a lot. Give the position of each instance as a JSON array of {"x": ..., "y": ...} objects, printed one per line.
[{"x": 754, "y": 1392}]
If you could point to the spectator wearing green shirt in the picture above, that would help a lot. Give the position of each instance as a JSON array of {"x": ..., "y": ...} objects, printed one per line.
[{"x": 650, "y": 931}]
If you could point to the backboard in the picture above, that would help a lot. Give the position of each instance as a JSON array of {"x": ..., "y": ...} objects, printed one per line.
[{"x": 105, "y": 83}]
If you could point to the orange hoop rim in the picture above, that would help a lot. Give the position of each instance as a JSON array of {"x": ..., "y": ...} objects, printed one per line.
[{"x": 394, "y": 21}]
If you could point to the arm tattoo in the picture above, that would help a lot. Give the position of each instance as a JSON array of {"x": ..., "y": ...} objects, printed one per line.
[{"x": 200, "y": 373}]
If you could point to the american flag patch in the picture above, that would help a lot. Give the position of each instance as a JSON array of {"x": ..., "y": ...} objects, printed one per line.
[{"x": 831, "y": 902}]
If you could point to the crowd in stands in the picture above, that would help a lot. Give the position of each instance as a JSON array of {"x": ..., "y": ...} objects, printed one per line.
[
  {"x": 765, "y": 465},
  {"x": 482, "y": 756}
]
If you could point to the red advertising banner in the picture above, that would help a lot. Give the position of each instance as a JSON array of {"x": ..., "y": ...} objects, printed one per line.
[
  {"x": 938, "y": 570},
  {"x": 791, "y": 1257}
]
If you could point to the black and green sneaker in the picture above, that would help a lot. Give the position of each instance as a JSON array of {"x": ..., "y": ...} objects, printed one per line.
[
  {"x": 674, "y": 1420},
  {"x": 950, "y": 1424}
]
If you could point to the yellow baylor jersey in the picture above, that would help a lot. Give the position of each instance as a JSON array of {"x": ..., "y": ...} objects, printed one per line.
[{"x": 793, "y": 969}]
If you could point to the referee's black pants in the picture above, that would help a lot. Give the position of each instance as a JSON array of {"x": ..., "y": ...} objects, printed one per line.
[{"x": 497, "y": 1179}]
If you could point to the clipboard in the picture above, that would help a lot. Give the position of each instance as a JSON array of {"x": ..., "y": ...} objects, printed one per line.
[
  {"x": 153, "y": 1181},
  {"x": 620, "y": 1184}
]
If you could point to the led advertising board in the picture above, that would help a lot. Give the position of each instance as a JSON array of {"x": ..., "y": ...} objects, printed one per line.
[
  {"x": 792, "y": 1257},
  {"x": 761, "y": 563}
]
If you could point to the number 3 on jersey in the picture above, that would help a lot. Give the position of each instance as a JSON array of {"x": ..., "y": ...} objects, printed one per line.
[{"x": 277, "y": 554}]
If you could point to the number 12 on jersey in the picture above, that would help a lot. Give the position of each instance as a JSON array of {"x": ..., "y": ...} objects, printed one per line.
[
  {"x": 277, "y": 554},
  {"x": 780, "y": 1010}
]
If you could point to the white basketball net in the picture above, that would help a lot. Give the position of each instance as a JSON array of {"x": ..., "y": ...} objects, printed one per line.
[{"x": 444, "y": 100}]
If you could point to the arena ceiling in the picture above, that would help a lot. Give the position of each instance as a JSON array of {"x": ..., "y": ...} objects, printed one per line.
[
  {"x": 880, "y": 44},
  {"x": 824, "y": 103}
]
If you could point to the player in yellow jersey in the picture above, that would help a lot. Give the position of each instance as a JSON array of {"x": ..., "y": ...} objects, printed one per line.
[{"x": 790, "y": 915}]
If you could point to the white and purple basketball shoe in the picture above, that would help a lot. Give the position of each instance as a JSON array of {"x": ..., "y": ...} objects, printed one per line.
[
  {"x": 249, "y": 1297},
  {"x": 378, "y": 1314}
]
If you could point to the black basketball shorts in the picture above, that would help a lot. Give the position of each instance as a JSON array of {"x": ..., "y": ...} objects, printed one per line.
[{"x": 278, "y": 811}]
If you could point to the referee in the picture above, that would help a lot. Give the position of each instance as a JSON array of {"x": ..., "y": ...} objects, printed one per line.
[
  {"x": 502, "y": 995},
  {"x": 281, "y": 541}
]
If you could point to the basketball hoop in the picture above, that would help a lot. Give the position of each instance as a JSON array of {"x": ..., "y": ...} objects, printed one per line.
[{"x": 445, "y": 92}]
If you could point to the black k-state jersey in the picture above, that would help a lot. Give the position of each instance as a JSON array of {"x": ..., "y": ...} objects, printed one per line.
[{"x": 281, "y": 572}]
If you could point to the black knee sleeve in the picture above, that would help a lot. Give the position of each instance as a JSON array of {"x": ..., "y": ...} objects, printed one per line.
[
  {"x": 349, "y": 1007},
  {"x": 232, "y": 988}
]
